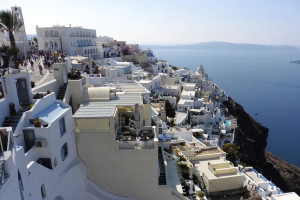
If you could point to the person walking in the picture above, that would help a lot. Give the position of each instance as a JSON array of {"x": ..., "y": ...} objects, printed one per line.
[
  {"x": 25, "y": 65},
  {"x": 41, "y": 69},
  {"x": 31, "y": 63}
]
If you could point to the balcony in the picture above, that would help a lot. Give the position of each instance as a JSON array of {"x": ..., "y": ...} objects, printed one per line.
[
  {"x": 130, "y": 138},
  {"x": 136, "y": 144}
]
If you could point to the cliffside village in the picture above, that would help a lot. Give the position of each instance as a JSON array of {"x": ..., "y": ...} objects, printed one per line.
[{"x": 109, "y": 120}]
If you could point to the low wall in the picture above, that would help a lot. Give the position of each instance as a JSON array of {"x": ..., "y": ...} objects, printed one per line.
[
  {"x": 67, "y": 95},
  {"x": 225, "y": 171},
  {"x": 220, "y": 165},
  {"x": 227, "y": 183},
  {"x": 52, "y": 86},
  {"x": 205, "y": 156}
]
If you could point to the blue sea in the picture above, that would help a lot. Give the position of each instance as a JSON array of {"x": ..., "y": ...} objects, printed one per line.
[{"x": 262, "y": 81}]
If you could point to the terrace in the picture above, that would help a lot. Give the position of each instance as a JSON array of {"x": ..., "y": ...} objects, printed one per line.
[
  {"x": 142, "y": 139},
  {"x": 263, "y": 186}
]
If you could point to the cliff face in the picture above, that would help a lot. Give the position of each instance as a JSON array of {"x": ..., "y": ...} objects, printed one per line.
[{"x": 252, "y": 137}]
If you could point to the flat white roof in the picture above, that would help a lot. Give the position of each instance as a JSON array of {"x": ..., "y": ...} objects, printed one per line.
[
  {"x": 180, "y": 116},
  {"x": 286, "y": 196},
  {"x": 51, "y": 113},
  {"x": 132, "y": 87},
  {"x": 182, "y": 101},
  {"x": 185, "y": 92},
  {"x": 190, "y": 84},
  {"x": 202, "y": 166},
  {"x": 102, "y": 109},
  {"x": 254, "y": 177},
  {"x": 145, "y": 81}
]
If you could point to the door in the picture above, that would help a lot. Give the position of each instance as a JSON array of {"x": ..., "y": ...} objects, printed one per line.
[{"x": 22, "y": 90}]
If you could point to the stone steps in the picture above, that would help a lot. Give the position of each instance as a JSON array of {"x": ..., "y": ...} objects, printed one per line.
[{"x": 61, "y": 92}]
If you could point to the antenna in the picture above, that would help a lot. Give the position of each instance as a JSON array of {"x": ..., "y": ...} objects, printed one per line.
[{"x": 57, "y": 21}]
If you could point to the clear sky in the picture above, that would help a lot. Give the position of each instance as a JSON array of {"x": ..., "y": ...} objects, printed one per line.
[{"x": 171, "y": 21}]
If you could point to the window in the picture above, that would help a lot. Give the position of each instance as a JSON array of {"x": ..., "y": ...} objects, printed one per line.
[
  {"x": 43, "y": 191},
  {"x": 29, "y": 139},
  {"x": 55, "y": 162},
  {"x": 64, "y": 152},
  {"x": 62, "y": 126}
]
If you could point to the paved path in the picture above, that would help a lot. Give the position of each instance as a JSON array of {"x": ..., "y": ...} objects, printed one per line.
[{"x": 35, "y": 75}]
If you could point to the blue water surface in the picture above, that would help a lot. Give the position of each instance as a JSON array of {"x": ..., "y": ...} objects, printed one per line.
[{"x": 263, "y": 82}]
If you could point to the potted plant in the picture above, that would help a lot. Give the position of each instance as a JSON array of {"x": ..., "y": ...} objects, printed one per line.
[
  {"x": 30, "y": 106},
  {"x": 38, "y": 96},
  {"x": 12, "y": 109},
  {"x": 37, "y": 122},
  {"x": 200, "y": 194}
]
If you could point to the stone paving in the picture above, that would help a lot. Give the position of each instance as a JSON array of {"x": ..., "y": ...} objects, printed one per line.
[{"x": 35, "y": 75}]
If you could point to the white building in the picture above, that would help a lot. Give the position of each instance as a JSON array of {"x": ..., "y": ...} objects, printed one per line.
[
  {"x": 184, "y": 105},
  {"x": 73, "y": 40},
  {"x": 117, "y": 143},
  {"x": 151, "y": 84},
  {"x": 285, "y": 196},
  {"x": 20, "y": 35},
  {"x": 104, "y": 39},
  {"x": 40, "y": 162}
]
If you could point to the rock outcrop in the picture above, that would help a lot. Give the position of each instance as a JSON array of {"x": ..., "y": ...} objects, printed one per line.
[{"x": 252, "y": 137}]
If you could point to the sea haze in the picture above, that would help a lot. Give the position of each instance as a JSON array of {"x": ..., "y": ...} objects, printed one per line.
[{"x": 262, "y": 81}]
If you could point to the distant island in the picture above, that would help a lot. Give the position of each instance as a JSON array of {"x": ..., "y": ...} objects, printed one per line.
[
  {"x": 296, "y": 61},
  {"x": 225, "y": 46}
]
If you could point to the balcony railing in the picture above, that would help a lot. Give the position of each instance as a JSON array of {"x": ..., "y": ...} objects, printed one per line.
[{"x": 136, "y": 144}]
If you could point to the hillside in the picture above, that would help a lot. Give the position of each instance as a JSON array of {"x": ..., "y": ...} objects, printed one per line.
[{"x": 252, "y": 137}]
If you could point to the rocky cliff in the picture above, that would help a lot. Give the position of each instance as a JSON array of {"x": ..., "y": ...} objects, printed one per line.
[{"x": 252, "y": 137}]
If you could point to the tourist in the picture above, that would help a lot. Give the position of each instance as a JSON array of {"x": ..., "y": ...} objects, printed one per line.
[
  {"x": 41, "y": 69},
  {"x": 31, "y": 63}
]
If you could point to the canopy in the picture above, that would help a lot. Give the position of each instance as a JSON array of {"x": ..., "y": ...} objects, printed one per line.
[{"x": 79, "y": 58}]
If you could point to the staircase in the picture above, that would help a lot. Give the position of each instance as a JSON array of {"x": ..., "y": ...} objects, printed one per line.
[
  {"x": 61, "y": 92},
  {"x": 162, "y": 179},
  {"x": 162, "y": 175},
  {"x": 186, "y": 193},
  {"x": 14, "y": 120}
]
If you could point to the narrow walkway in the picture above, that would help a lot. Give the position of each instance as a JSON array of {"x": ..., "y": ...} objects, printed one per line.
[
  {"x": 35, "y": 75},
  {"x": 43, "y": 79}
]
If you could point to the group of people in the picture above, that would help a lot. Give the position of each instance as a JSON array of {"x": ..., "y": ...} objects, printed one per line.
[{"x": 45, "y": 59}]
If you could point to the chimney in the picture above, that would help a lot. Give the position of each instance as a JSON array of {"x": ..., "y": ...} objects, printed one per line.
[{"x": 70, "y": 25}]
